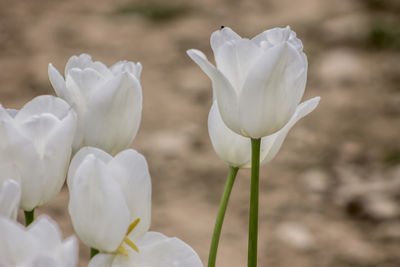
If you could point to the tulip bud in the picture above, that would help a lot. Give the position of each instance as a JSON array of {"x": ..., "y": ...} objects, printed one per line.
[
  {"x": 110, "y": 198},
  {"x": 257, "y": 83},
  {"x": 40, "y": 244},
  {"x": 35, "y": 147},
  {"x": 108, "y": 101},
  {"x": 235, "y": 149}
]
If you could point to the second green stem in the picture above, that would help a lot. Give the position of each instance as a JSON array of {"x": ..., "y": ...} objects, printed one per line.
[
  {"x": 221, "y": 214},
  {"x": 253, "y": 219}
]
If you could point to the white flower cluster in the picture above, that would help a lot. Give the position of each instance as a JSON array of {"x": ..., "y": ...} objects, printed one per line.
[{"x": 257, "y": 84}]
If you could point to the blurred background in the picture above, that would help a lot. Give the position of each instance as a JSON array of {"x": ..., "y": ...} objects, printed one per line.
[{"x": 332, "y": 195}]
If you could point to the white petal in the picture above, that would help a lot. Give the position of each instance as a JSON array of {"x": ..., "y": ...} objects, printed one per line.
[
  {"x": 43, "y": 104},
  {"x": 221, "y": 37},
  {"x": 80, "y": 157},
  {"x": 46, "y": 232},
  {"x": 16, "y": 245},
  {"x": 114, "y": 114},
  {"x": 84, "y": 61},
  {"x": 272, "y": 91},
  {"x": 276, "y": 140},
  {"x": 235, "y": 60},
  {"x": 102, "y": 260},
  {"x": 277, "y": 36},
  {"x": 127, "y": 66},
  {"x": 19, "y": 159},
  {"x": 157, "y": 250},
  {"x": 58, "y": 83},
  {"x": 231, "y": 147},
  {"x": 132, "y": 173},
  {"x": 222, "y": 90},
  {"x": 87, "y": 80},
  {"x": 10, "y": 197},
  {"x": 97, "y": 206}
]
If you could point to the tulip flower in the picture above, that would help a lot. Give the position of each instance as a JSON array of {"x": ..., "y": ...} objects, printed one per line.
[
  {"x": 110, "y": 208},
  {"x": 10, "y": 196},
  {"x": 258, "y": 83},
  {"x": 154, "y": 250},
  {"x": 35, "y": 148},
  {"x": 40, "y": 244},
  {"x": 108, "y": 101},
  {"x": 235, "y": 149},
  {"x": 109, "y": 198}
]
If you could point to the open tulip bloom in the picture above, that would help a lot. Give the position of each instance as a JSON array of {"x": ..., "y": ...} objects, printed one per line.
[
  {"x": 110, "y": 208},
  {"x": 257, "y": 84},
  {"x": 35, "y": 148},
  {"x": 108, "y": 101},
  {"x": 40, "y": 244}
]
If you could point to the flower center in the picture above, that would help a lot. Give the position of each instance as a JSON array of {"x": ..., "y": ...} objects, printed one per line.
[{"x": 127, "y": 241}]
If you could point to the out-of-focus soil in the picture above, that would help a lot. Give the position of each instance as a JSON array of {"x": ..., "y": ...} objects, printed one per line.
[{"x": 331, "y": 196}]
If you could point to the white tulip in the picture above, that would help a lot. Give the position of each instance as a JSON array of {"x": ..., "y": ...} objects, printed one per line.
[
  {"x": 108, "y": 101},
  {"x": 10, "y": 196},
  {"x": 35, "y": 147},
  {"x": 110, "y": 198},
  {"x": 154, "y": 250},
  {"x": 40, "y": 244},
  {"x": 235, "y": 149},
  {"x": 258, "y": 83}
]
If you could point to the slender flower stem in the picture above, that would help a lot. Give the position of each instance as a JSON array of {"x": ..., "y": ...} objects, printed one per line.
[
  {"x": 220, "y": 216},
  {"x": 253, "y": 220},
  {"x": 93, "y": 252},
  {"x": 29, "y": 217}
]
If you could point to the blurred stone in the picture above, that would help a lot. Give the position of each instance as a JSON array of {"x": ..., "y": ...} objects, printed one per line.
[
  {"x": 296, "y": 236},
  {"x": 381, "y": 207}
]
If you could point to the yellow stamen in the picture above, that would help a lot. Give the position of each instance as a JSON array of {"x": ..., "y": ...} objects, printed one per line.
[
  {"x": 122, "y": 250},
  {"x": 132, "y": 226},
  {"x": 131, "y": 244}
]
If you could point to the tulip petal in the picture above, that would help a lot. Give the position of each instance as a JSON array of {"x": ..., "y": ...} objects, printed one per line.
[
  {"x": 132, "y": 173},
  {"x": 85, "y": 61},
  {"x": 302, "y": 110},
  {"x": 221, "y": 37},
  {"x": 46, "y": 231},
  {"x": 272, "y": 91},
  {"x": 87, "y": 80},
  {"x": 222, "y": 90},
  {"x": 43, "y": 104},
  {"x": 127, "y": 66},
  {"x": 97, "y": 206},
  {"x": 57, "y": 155},
  {"x": 10, "y": 197},
  {"x": 15, "y": 243},
  {"x": 275, "y": 36},
  {"x": 231, "y": 147},
  {"x": 80, "y": 157},
  {"x": 58, "y": 83},
  {"x": 155, "y": 250},
  {"x": 271, "y": 144},
  {"x": 19, "y": 158},
  {"x": 115, "y": 113},
  {"x": 235, "y": 60}
]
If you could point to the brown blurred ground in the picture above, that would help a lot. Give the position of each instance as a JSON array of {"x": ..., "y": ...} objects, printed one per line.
[{"x": 330, "y": 198}]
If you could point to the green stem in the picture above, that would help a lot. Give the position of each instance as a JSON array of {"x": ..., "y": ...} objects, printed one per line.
[
  {"x": 253, "y": 219},
  {"x": 93, "y": 252},
  {"x": 220, "y": 216},
  {"x": 29, "y": 217}
]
